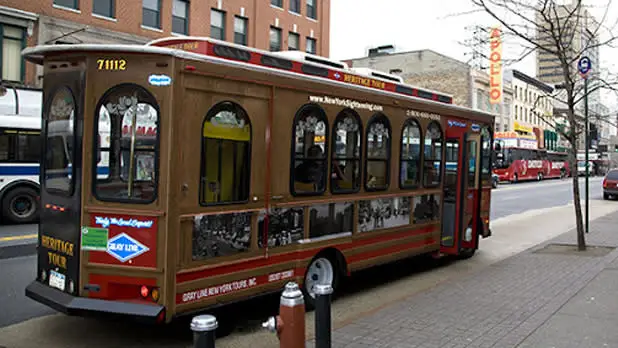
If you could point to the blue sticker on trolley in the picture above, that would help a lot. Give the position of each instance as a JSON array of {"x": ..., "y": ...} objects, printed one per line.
[
  {"x": 453, "y": 123},
  {"x": 159, "y": 80},
  {"x": 475, "y": 127},
  {"x": 124, "y": 248}
]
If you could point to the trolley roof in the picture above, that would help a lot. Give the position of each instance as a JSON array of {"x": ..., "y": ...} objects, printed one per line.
[{"x": 295, "y": 64}]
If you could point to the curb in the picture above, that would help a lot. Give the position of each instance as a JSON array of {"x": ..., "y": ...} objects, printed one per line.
[{"x": 12, "y": 251}]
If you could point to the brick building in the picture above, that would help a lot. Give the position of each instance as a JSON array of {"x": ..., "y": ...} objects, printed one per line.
[{"x": 265, "y": 24}]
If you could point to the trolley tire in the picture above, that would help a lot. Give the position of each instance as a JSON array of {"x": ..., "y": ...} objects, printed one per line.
[
  {"x": 605, "y": 196},
  {"x": 28, "y": 196},
  {"x": 515, "y": 179},
  {"x": 324, "y": 260}
]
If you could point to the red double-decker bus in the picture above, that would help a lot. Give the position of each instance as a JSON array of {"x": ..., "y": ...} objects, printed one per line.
[{"x": 515, "y": 164}]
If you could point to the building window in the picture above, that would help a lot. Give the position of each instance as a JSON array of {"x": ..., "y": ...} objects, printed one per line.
[
  {"x": 226, "y": 155},
  {"x": 311, "y": 45},
  {"x": 104, "y": 8},
  {"x": 378, "y": 153},
  {"x": 433, "y": 155},
  {"x": 312, "y": 11},
  {"x": 346, "y": 153},
  {"x": 295, "y": 6},
  {"x": 129, "y": 159},
  {"x": 309, "y": 165},
  {"x": 74, "y": 4},
  {"x": 275, "y": 39},
  {"x": 217, "y": 24},
  {"x": 180, "y": 17},
  {"x": 410, "y": 174},
  {"x": 278, "y": 3},
  {"x": 293, "y": 41},
  {"x": 151, "y": 13},
  {"x": 10, "y": 56},
  {"x": 240, "y": 30}
]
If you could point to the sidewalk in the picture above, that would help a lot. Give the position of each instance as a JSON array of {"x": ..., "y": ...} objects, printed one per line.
[{"x": 538, "y": 298}]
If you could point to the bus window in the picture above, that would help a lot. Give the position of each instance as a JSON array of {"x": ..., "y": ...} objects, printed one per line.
[
  {"x": 472, "y": 158},
  {"x": 221, "y": 235},
  {"x": 433, "y": 155},
  {"x": 285, "y": 226},
  {"x": 308, "y": 176},
  {"x": 346, "y": 157},
  {"x": 329, "y": 219},
  {"x": 410, "y": 176},
  {"x": 383, "y": 213},
  {"x": 226, "y": 154},
  {"x": 378, "y": 153},
  {"x": 131, "y": 151},
  {"x": 485, "y": 154},
  {"x": 17, "y": 145},
  {"x": 58, "y": 158}
]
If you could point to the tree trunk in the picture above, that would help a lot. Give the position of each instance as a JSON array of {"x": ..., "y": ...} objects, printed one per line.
[{"x": 581, "y": 240}]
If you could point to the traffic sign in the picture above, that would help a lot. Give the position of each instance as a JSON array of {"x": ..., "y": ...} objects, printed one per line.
[{"x": 584, "y": 66}]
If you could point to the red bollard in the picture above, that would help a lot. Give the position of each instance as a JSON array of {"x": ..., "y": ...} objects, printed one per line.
[{"x": 290, "y": 323}]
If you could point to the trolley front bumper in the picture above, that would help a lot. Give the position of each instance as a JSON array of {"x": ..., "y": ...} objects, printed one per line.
[{"x": 83, "y": 306}]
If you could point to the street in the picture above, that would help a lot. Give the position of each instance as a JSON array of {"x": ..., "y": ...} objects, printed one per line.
[{"x": 545, "y": 204}]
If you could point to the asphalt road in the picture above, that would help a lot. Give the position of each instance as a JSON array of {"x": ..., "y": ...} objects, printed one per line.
[
  {"x": 509, "y": 199},
  {"x": 17, "y": 262}
]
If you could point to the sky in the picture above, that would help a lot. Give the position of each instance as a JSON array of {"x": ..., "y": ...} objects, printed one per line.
[{"x": 439, "y": 25}]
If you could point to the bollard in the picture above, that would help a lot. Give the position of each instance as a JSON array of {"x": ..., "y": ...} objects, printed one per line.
[
  {"x": 203, "y": 327},
  {"x": 322, "y": 316},
  {"x": 290, "y": 323}
]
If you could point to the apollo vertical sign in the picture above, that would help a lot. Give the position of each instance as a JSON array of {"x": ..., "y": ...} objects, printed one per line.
[{"x": 495, "y": 66}]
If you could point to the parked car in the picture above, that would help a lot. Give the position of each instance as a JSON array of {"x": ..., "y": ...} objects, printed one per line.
[
  {"x": 610, "y": 184},
  {"x": 494, "y": 180}
]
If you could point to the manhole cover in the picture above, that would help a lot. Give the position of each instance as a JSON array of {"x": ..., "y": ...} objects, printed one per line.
[{"x": 571, "y": 249}]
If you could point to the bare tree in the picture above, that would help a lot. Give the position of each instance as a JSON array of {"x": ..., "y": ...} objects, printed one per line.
[{"x": 564, "y": 33}]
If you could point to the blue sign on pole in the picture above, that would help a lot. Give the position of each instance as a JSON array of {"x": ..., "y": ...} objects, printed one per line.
[{"x": 584, "y": 66}]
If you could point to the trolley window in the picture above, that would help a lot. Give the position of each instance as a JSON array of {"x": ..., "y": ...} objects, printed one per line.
[
  {"x": 126, "y": 142},
  {"x": 226, "y": 152},
  {"x": 346, "y": 157},
  {"x": 410, "y": 175},
  {"x": 378, "y": 153},
  {"x": 433, "y": 155},
  {"x": 60, "y": 124},
  {"x": 485, "y": 154},
  {"x": 309, "y": 146}
]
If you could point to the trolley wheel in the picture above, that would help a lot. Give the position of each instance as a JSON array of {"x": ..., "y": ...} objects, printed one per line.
[
  {"x": 605, "y": 196},
  {"x": 20, "y": 205},
  {"x": 539, "y": 177},
  {"x": 515, "y": 179},
  {"x": 322, "y": 270}
]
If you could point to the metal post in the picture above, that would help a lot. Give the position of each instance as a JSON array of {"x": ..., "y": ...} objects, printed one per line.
[
  {"x": 203, "y": 327},
  {"x": 587, "y": 136},
  {"x": 322, "y": 316}
]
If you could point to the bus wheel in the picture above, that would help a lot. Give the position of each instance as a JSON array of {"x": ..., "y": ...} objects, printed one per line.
[
  {"x": 515, "y": 178},
  {"x": 20, "y": 205},
  {"x": 322, "y": 270},
  {"x": 539, "y": 176}
]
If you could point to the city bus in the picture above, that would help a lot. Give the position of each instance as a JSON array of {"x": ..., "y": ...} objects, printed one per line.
[
  {"x": 514, "y": 164},
  {"x": 232, "y": 171},
  {"x": 20, "y": 150}
]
